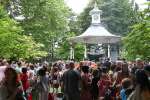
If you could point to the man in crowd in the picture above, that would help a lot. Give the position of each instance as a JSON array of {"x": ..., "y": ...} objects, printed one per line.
[{"x": 70, "y": 81}]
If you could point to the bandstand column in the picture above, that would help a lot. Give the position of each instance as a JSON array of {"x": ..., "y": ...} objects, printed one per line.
[
  {"x": 85, "y": 51},
  {"x": 108, "y": 50}
]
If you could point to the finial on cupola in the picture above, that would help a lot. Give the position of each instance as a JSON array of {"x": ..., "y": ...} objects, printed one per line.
[{"x": 95, "y": 14}]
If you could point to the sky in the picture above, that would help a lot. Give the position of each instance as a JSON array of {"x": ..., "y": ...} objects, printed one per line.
[{"x": 79, "y": 5}]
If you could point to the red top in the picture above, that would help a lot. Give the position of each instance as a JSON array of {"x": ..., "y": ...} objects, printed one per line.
[
  {"x": 103, "y": 84},
  {"x": 24, "y": 80},
  {"x": 85, "y": 92}
]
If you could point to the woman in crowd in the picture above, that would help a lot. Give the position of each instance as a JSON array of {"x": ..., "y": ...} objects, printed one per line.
[
  {"x": 85, "y": 84},
  {"x": 94, "y": 86},
  {"x": 104, "y": 86},
  {"x": 42, "y": 85},
  {"x": 55, "y": 78},
  {"x": 126, "y": 84},
  {"x": 9, "y": 89},
  {"x": 142, "y": 89},
  {"x": 24, "y": 80}
]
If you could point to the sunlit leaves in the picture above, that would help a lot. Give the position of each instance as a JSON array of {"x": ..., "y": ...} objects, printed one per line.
[
  {"x": 12, "y": 43},
  {"x": 46, "y": 20},
  {"x": 137, "y": 42}
]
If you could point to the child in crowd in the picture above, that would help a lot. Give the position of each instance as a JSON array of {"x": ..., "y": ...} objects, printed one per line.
[
  {"x": 24, "y": 80},
  {"x": 126, "y": 83}
]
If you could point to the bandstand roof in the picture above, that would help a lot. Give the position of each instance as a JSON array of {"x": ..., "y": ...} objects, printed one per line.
[{"x": 96, "y": 33}]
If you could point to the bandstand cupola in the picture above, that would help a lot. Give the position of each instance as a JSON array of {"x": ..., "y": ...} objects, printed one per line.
[{"x": 95, "y": 14}]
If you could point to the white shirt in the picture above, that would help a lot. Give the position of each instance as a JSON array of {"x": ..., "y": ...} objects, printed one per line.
[{"x": 2, "y": 69}]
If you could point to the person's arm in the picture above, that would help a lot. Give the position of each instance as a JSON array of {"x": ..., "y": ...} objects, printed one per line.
[{"x": 62, "y": 82}]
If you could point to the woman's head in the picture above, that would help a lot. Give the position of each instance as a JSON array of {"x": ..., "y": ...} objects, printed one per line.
[
  {"x": 71, "y": 65},
  {"x": 10, "y": 75},
  {"x": 95, "y": 73},
  {"x": 126, "y": 83},
  {"x": 24, "y": 70},
  {"x": 85, "y": 69},
  {"x": 31, "y": 66},
  {"x": 124, "y": 67}
]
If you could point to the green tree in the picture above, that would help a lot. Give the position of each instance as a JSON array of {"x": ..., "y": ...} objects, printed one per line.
[
  {"x": 137, "y": 42},
  {"x": 12, "y": 44},
  {"x": 65, "y": 43},
  {"x": 64, "y": 48},
  {"x": 117, "y": 15},
  {"x": 45, "y": 20}
]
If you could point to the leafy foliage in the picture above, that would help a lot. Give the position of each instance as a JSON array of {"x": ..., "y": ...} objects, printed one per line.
[
  {"x": 45, "y": 20},
  {"x": 64, "y": 49},
  {"x": 12, "y": 44},
  {"x": 137, "y": 42},
  {"x": 117, "y": 15}
]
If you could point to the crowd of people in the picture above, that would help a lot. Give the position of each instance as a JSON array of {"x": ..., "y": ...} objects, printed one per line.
[{"x": 70, "y": 80}]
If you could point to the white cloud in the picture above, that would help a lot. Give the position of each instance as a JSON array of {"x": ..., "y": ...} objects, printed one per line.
[
  {"x": 141, "y": 3},
  {"x": 79, "y": 5}
]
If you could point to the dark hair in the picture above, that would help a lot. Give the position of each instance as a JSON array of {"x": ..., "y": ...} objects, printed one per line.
[
  {"x": 19, "y": 63},
  {"x": 104, "y": 70},
  {"x": 45, "y": 67},
  {"x": 117, "y": 69},
  {"x": 24, "y": 70},
  {"x": 42, "y": 72},
  {"x": 85, "y": 69},
  {"x": 95, "y": 73},
  {"x": 125, "y": 67},
  {"x": 32, "y": 67},
  {"x": 126, "y": 83},
  {"x": 55, "y": 64},
  {"x": 9, "y": 69},
  {"x": 142, "y": 79},
  {"x": 147, "y": 68},
  {"x": 133, "y": 70},
  {"x": 71, "y": 65}
]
